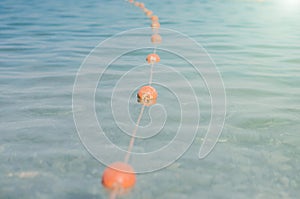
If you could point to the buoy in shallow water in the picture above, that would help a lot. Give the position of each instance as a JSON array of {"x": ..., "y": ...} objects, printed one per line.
[
  {"x": 142, "y": 5},
  {"x": 154, "y": 18},
  {"x": 156, "y": 39},
  {"x": 118, "y": 175},
  {"x": 147, "y": 95},
  {"x": 153, "y": 58},
  {"x": 149, "y": 13}
]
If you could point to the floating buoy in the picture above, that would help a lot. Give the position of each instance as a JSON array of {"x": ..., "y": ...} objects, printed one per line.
[
  {"x": 149, "y": 13},
  {"x": 137, "y": 4},
  {"x": 147, "y": 95},
  {"x": 142, "y": 5},
  {"x": 155, "y": 24},
  {"x": 130, "y": 1},
  {"x": 154, "y": 18},
  {"x": 156, "y": 39},
  {"x": 152, "y": 58},
  {"x": 118, "y": 175}
]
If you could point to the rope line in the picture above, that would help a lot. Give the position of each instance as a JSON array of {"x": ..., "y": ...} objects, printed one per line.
[
  {"x": 146, "y": 99},
  {"x": 131, "y": 143}
]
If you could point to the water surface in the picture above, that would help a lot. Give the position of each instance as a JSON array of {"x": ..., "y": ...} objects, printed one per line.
[{"x": 255, "y": 45}]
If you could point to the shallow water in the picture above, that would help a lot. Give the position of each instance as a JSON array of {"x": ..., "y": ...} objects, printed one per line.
[{"x": 255, "y": 46}]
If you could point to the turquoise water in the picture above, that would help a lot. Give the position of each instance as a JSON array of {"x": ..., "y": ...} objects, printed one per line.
[{"x": 255, "y": 46}]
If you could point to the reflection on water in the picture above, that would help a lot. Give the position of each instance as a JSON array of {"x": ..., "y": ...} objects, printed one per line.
[{"x": 255, "y": 47}]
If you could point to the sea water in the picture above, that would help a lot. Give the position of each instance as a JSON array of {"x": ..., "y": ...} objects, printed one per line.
[{"x": 255, "y": 46}]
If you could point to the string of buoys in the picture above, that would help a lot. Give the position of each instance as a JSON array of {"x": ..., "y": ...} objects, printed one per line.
[{"x": 119, "y": 177}]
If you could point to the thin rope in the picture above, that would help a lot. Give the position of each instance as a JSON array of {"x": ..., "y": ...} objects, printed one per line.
[
  {"x": 151, "y": 74},
  {"x": 114, "y": 193},
  {"x": 133, "y": 135},
  {"x": 127, "y": 156}
]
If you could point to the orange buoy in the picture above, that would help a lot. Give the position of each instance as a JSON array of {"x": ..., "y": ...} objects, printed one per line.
[
  {"x": 154, "y": 18},
  {"x": 152, "y": 58},
  {"x": 155, "y": 24},
  {"x": 156, "y": 39},
  {"x": 130, "y": 1},
  {"x": 147, "y": 95},
  {"x": 137, "y": 4},
  {"x": 149, "y": 13},
  {"x": 118, "y": 175},
  {"x": 142, "y": 5}
]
